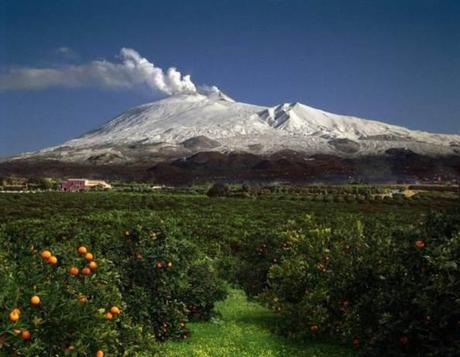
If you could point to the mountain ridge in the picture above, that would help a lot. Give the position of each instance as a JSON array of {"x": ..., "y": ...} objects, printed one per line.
[{"x": 161, "y": 128}]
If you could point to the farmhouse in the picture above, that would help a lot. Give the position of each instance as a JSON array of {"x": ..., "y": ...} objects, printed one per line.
[{"x": 78, "y": 185}]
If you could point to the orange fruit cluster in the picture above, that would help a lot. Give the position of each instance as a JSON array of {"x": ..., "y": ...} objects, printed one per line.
[
  {"x": 35, "y": 300},
  {"x": 49, "y": 257},
  {"x": 114, "y": 310},
  {"x": 162, "y": 264},
  {"x": 15, "y": 315},
  {"x": 89, "y": 257},
  {"x": 24, "y": 334}
]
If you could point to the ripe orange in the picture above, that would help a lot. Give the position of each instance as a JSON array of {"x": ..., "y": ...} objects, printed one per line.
[
  {"x": 14, "y": 316},
  {"x": 115, "y": 310},
  {"x": 420, "y": 244},
  {"x": 83, "y": 299},
  {"x": 35, "y": 300},
  {"x": 73, "y": 271},
  {"x": 92, "y": 265},
  {"x": 99, "y": 354},
  {"x": 82, "y": 250},
  {"x": 89, "y": 257},
  {"x": 46, "y": 254},
  {"x": 314, "y": 328},
  {"x": 52, "y": 260},
  {"x": 108, "y": 315},
  {"x": 25, "y": 335},
  {"x": 86, "y": 271}
]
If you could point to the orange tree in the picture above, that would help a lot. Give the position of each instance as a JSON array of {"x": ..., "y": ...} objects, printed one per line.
[
  {"x": 166, "y": 279},
  {"x": 147, "y": 268},
  {"x": 383, "y": 290},
  {"x": 46, "y": 308}
]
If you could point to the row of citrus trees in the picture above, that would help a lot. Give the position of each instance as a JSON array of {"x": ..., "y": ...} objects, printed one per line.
[
  {"x": 109, "y": 284},
  {"x": 117, "y": 283},
  {"x": 378, "y": 288}
]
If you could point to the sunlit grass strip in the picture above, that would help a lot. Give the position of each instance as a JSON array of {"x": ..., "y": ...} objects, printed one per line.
[{"x": 243, "y": 329}]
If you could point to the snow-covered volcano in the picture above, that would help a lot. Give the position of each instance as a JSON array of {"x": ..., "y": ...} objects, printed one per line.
[{"x": 211, "y": 121}]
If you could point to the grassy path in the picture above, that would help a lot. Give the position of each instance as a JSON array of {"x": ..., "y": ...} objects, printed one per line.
[{"x": 243, "y": 330}]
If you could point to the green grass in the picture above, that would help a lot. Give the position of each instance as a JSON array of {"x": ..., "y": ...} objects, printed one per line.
[{"x": 243, "y": 329}]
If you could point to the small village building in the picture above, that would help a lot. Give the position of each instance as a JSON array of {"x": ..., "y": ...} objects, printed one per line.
[{"x": 80, "y": 185}]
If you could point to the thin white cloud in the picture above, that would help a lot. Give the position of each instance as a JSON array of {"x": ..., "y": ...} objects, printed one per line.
[
  {"x": 133, "y": 70},
  {"x": 67, "y": 53}
]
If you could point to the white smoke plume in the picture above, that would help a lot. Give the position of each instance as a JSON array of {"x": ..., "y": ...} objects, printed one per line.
[{"x": 134, "y": 70}]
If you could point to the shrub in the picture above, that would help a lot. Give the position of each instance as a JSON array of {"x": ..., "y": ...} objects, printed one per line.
[
  {"x": 218, "y": 190},
  {"x": 201, "y": 290}
]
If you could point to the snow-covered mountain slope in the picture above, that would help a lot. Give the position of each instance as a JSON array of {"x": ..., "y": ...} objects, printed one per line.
[
  {"x": 182, "y": 124},
  {"x": 178, "y": 118}
]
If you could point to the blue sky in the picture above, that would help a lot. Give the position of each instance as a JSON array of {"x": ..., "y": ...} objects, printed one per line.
[{"x": 395, "y": 61}]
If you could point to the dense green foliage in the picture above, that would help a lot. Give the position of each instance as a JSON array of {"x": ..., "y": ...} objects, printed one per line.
[
  {"x": 346, "y": 268},
  {"x": 147, "y": 266},
  {"x": 384, "y": 290},
  {"x": 218, "y": 190},
  {"x": 70, "y": 318}
]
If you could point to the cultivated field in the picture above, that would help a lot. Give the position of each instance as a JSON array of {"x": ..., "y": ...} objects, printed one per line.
[{"x": 331, "y": 272}]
